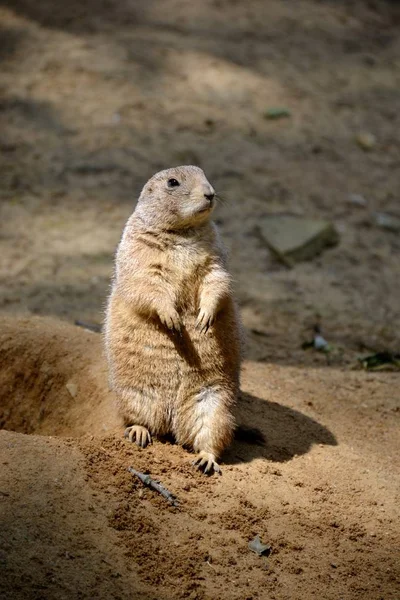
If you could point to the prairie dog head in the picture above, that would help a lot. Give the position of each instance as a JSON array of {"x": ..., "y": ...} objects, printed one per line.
[{"x": 176, "y": 198}]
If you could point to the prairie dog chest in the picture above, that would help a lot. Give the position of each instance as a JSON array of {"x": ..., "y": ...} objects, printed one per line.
[
  {"x": 189, "y": 255},
  {"x": 189, "y": 263}
]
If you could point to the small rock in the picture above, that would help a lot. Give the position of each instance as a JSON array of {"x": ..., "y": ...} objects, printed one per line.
[
  {"x": 387, "y": 221},
  {"x": 72, "y": 388},
  {"x": 259, "y": 548},
  {"x": 369, "y": 60},
  {"x": 278, "y": 112},
  {"x": 357, "y": 199},
  {"x": 366, "y": 140},
  {"x": 320, "y": 343},
  {"x": 293, "y": 239}
]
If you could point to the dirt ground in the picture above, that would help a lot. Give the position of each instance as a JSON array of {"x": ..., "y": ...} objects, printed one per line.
[{"x": 94, "y": 98}]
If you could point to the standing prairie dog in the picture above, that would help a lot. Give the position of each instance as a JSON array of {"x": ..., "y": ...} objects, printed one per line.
[{"x": 172, "y": 330}]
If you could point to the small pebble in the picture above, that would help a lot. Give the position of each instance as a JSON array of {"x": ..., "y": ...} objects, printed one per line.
[
  {"x": 357, "y": 199},
  {"x": 277, "y": 112},
  {"x": 366, "y": 140},
  {"x": 72, "y": 388},
  {"x": 390, "y": 222}
]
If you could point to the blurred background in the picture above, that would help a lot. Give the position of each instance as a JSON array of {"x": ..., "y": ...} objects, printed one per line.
[{"x": 289, "y": 106}]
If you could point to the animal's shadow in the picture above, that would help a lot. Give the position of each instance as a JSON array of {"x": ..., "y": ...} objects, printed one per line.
[{"x": 287, "y": 432}]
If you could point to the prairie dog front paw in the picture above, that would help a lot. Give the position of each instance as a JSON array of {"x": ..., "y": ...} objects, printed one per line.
[
  {"x": 205, "y": 319},
  {"x": 170, "y": 318}
]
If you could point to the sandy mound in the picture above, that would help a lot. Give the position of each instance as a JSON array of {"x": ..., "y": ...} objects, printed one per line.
[
  {"x": 53, "y": 380},
  {"x": 76, "y": 525}
]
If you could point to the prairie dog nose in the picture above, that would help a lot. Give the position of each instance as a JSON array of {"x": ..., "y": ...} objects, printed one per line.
[{"x": 208, "y": 192}]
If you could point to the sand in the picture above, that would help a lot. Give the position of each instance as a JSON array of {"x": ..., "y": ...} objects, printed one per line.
[{"x": 96, "y": 97}]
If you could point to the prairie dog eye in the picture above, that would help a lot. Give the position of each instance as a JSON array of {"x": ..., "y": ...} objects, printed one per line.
[{"x": 173, "y": 183}]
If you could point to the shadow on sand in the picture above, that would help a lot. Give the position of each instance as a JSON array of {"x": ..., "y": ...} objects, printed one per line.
[{"x": 287, "y": 432}]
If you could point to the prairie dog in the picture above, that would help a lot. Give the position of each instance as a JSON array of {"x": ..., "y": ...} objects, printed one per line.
[{"x": 172, "y": 329}]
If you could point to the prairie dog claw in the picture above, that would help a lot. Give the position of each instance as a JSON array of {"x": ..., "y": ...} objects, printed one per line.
[
  {"x": 170, "y": 319},
  {"x": 138, "y": 434},
  {"x": 206, "y": 463},
  {"x": 204, "y": 321}
]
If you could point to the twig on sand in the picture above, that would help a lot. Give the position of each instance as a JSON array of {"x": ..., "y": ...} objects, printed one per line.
[
  {"x": 154, "y": 485},
  {"x": 95, "y": 327}
]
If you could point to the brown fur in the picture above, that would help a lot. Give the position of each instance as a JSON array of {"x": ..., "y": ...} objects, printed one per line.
[{"x": 172, "y": 329}]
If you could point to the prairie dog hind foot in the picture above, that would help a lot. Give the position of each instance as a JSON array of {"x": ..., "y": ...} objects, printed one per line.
[
  {"x": 205, "y": 462},
  {"x": 138, "y": 434}
]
